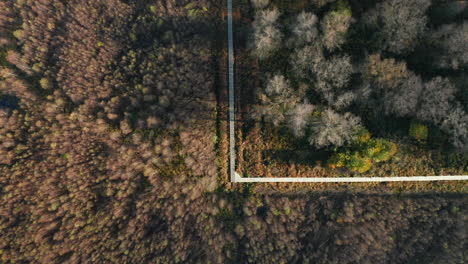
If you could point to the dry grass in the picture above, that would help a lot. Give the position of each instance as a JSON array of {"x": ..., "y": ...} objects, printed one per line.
[{"x": 410, "y": 160}]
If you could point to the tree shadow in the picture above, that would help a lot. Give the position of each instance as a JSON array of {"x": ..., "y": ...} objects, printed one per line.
[
  {"x": 9, "y": 102},
  {"x": 300, "y": 156}
]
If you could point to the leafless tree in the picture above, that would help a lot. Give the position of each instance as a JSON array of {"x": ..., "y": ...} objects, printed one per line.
[
  {"x": 267, "y": 36},
  {"x": 259, "y": 4},
  {"x": 334, "y": 27},
  {"x": 275, "y": 100},
  {"x": 399, "y": 24},
  {"x": 452, "y": 51},
  {"x": 333, "y": 129},
  {"x": 436, "y": 100},
  {"x": 299, "y": 117},
  {"x": 304, "y": 29}
]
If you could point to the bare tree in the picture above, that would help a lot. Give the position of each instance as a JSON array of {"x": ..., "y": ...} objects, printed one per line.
[
  {"x": 398, "y": 24},
  {"x": 304, "y": 61},
  {"x": 436, "y": 100},
  {"x": 304, "y": 29},
  {"x": 452, "y": 51},
  {"x": 259, "y": 4},
  {"x": 334, "y": 73},
  {"x": 402, "y": 99},
  {"x": 333, "y": 129},
  {"x": 276, "y": 100},
  {"x": 334, "y": 26},
  {"x": 299, "y": 118},
  {"x": 266, "y": 36},
  {"x": 456, "y": 126},
  {"x": 392, "y": 88},
  {"x": 344, "y": 100}
]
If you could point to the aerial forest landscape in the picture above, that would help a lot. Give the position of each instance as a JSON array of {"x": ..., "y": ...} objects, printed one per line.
[{"x": 115, "y": 140}]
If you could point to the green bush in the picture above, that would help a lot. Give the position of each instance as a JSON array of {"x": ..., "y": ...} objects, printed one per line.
[
  {"x": 380, "y": 150},
  {"x": 362, "y": 137},
  {"x": 358, "y": 163},
  {"x": 343, "y": 7},
  {"x": 365, "y": 150},
  {"x": 337, "y": 160},
  {"x": 418, "y": 131},
  {"x": 354, "y": 161}
]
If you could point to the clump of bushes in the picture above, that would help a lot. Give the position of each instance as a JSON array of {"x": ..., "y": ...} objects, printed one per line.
[
  {"x": 354, "y": 161},
  {"x": 380, "y": 149},
  {"x": 363, "y": 152}
]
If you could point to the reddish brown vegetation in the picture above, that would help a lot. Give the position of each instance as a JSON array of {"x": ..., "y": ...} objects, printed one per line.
[{"x": 107, "y": 139}]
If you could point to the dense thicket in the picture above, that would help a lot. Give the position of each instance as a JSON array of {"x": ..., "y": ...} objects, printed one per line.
[
  {"x": 346, "y": 229},
  {"x": 111, "y": 141}
]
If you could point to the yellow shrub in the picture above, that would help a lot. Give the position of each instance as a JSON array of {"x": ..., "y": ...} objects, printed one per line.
[
  {"x": 363, "y": 136},
  {"x": 358, "y": 163},
  {"x": 418, "y": 131},
  {"x": 337, "y": 160},
  {"x": 380, "y": 150}
]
